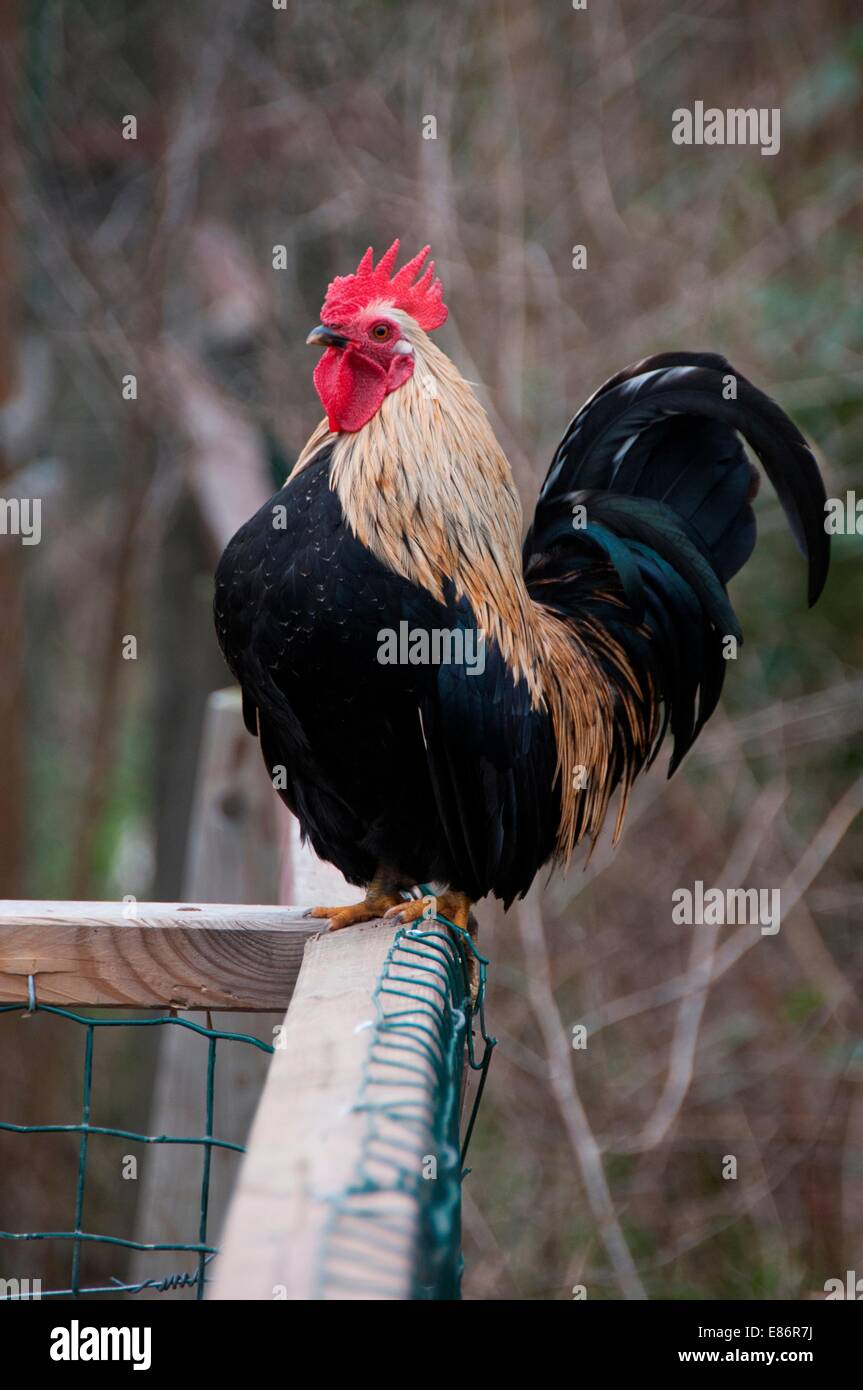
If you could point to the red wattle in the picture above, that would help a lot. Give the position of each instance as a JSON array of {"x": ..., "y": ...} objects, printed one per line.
[{"x": 351, "y": 388}]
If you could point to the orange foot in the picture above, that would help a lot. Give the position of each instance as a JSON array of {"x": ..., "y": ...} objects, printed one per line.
[
  {"x": 373, "y": 906},
  {"x": 456, "y": 908}
]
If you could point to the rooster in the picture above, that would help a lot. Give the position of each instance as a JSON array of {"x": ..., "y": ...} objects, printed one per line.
[{"x": 606, "y": 629}]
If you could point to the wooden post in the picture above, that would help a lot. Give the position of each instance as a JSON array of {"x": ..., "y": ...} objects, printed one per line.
[
  {"x": 233, "y": 854},
  {"x": 243, "y": 847}
]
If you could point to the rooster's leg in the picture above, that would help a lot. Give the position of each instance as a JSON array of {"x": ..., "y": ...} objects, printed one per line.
[{"x": 381, "y": 895}]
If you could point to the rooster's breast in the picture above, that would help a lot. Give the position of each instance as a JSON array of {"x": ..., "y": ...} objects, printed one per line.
[{"x": 300, "y": 607}]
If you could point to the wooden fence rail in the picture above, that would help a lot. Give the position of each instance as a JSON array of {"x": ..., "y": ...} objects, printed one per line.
[
  {"x": 309, "y": 1134},
  {"x": 152, "y": 955}
]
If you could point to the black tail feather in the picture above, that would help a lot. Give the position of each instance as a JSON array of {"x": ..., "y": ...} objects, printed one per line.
[
  {"x": 663, "y": 487},
  {"x": 671, "y": 421}
]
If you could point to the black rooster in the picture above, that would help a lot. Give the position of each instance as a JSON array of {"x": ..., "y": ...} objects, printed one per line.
[{"x": 528, "y": 684}]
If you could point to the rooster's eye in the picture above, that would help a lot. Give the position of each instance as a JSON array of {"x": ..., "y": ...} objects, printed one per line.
[{"x": 381, "y": 331}]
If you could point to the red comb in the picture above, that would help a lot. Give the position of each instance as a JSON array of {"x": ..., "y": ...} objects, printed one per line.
[{"x": 423, "y": 300}]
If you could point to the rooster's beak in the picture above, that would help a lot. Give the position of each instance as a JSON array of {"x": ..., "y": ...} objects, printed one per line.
[{"x": 325, "y": 337}]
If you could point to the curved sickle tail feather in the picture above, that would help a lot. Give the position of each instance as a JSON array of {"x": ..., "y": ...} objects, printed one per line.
[{"x": 644, "y": 517}]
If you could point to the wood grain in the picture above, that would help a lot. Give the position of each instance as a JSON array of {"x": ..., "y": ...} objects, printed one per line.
[
  {"x": 152, "y": 955},
  {"x": 307, "y": 1136}
]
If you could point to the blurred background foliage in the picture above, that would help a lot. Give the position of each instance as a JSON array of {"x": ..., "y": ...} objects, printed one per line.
[{"x": 303, "y": 127}]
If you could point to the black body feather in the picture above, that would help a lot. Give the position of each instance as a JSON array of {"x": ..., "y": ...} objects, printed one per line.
[{"x": 437, "y": 774}]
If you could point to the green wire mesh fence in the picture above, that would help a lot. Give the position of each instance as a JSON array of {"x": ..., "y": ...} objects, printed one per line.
[
  {"x": 429, "y": 1007},
  {"x": 78, "y": 1237}
]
